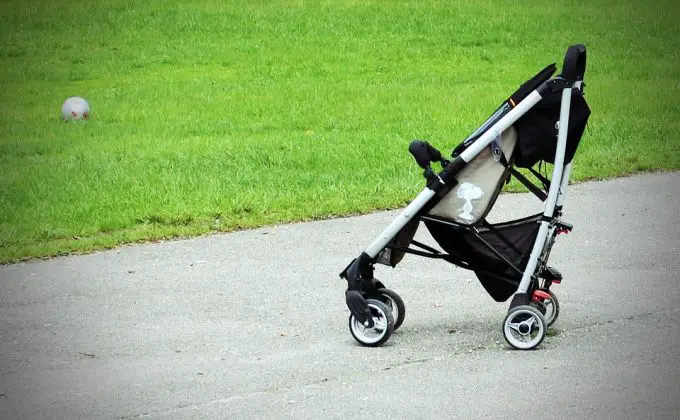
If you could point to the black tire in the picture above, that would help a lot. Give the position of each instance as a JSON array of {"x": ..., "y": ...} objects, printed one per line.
[
  {"x": 380, "y": 332},
  {"x": 540, "y": 306},
  {"x": 395, "y": 303},
  {"x": 551, "y": 317}
]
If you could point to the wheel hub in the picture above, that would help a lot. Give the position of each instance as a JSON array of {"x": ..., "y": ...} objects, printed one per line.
[{"x": 524, "y": 328}]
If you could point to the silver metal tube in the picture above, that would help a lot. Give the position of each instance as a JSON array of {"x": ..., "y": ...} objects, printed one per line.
[
  {"x": 564, "y": 184},
  {"x": 497, "y": 129},
  {"x": 397, "y": 224},
  {"x": 555, "y": 187}
]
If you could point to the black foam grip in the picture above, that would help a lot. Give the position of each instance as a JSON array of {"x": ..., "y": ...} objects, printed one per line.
[
  {"x": 419, "y": 150},
  {"x": 433, "y": 154},
  {"x": 574, "y": 63},
  {"x": 424, "y": 153}
]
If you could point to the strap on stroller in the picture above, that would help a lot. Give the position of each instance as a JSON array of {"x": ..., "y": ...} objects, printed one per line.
[{"x": 530, "y": 185}]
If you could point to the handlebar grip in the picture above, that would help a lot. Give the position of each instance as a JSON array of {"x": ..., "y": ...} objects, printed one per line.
[
  {"x": 424, "y": 153},
  {"x": 434, "y": 154},
  {"x": 418, "y": 149},
  {"x": 574, "y": 66}
]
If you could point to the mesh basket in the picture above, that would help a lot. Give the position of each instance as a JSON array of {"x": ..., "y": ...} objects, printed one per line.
[{"x": 499, "y": 271}]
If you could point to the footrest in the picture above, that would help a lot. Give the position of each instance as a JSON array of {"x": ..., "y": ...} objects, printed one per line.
[
  {"x": 564, "y": 227},
  {"x": 359, "y": 308},
  {"x": 552, "y": 274}
]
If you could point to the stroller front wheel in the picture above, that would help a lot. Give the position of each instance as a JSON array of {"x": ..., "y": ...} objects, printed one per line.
[
  {"x": 380, "y": 332},
  {"x": 393, "y": 301},
  {"x": 524, "y": 327}
]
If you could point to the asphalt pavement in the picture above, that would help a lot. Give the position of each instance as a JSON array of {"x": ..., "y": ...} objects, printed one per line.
[{"x": 253, "y": 325}]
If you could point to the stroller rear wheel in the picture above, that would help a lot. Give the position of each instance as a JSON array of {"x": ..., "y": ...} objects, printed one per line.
[
  {"x": 524, "y": 327},
  {"x": 552, "y": 308},
  {"x": 395, "y": 303},
  {"x": 380, "y": 332}
]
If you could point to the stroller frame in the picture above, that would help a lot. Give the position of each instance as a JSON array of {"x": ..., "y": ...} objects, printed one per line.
[{"x": 371, "y": 304}]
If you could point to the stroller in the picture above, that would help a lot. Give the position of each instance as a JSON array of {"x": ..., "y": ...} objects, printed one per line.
[{"x": 543, "y": 121}]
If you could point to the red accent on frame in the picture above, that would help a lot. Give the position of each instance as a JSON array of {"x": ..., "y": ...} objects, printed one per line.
[{"x": 539, "y": 295}]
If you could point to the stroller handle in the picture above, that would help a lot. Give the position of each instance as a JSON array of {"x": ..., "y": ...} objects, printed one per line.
[
  {"x": 574, "y": 66},
  {"x": 424, "y": 154}
]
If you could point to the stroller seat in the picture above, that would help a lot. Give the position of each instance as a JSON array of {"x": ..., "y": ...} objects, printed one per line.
[{"x": 479, "y": 183}]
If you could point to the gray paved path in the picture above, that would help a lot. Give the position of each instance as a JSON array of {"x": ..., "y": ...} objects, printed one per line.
[{"x": 253, "y": 325}]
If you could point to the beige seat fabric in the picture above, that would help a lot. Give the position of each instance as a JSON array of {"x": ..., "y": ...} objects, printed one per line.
[{"x": 478, "y": 185}]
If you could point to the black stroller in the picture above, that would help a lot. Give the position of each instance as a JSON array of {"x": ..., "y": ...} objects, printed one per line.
[{"x": 543, "y": 121}]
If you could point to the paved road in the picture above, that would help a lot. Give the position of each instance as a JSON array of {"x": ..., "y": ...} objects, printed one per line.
[{"x": 253, "y": 325}]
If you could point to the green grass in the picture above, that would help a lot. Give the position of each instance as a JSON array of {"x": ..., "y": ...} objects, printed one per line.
[{"x": 217, "y": 115}]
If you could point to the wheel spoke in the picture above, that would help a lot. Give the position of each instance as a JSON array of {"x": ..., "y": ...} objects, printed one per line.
[
  {"x": 515, "y": 326},
  {"x": 379, "y": 323}
]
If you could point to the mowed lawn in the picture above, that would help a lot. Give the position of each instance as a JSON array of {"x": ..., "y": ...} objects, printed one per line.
[{"x": 212, "y": 115}]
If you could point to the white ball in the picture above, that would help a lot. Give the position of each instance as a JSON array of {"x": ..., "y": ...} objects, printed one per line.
[{"x": 75, "y": 108}]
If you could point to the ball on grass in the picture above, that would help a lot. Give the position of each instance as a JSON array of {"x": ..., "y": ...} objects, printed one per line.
[{"x": 75, "y": 108}]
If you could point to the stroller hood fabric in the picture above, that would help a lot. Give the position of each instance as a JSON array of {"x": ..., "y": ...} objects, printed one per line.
[{"x": 537, "y": 129}]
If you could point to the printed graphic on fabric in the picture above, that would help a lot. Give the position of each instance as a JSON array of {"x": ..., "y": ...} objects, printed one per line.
[{"x": 468, "y": 192}]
